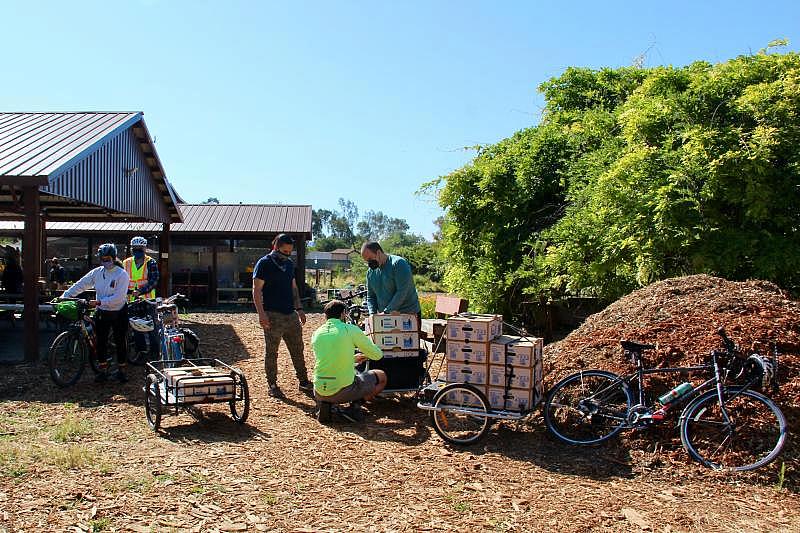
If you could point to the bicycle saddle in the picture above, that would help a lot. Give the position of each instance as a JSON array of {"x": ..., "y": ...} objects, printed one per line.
[{"x": 632, "y": 346}]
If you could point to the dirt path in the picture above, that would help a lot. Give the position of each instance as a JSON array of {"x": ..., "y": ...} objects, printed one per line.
[{"x": 85, "y": 458}]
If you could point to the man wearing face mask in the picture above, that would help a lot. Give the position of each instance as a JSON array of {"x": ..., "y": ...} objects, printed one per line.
[
  {"x": 110, "y": 282},
  {"x": 280, "y": 312},
  {"x": 143, "y": 279},
  {"x": 390, "y": 284}
]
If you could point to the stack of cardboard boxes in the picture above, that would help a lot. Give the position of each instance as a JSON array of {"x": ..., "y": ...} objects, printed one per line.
[
  {"x": 197, "y": 384},
  {"x": 397, "y": 334},
  {"x": 506, "y": 368}
]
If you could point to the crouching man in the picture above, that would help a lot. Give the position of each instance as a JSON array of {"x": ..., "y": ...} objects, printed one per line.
[{"x": 335, "y": 378}]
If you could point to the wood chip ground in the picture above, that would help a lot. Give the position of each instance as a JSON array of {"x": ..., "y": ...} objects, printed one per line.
[{"x": 84, "y": 458}]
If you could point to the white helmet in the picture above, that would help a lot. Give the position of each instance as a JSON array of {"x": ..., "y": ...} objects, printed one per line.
[
  {"x": 138, "y": 241},
  {"x": 142, "y": 325}
]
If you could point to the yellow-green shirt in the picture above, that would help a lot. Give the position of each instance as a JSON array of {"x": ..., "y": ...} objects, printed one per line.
[{"x": 334, "y": 344}]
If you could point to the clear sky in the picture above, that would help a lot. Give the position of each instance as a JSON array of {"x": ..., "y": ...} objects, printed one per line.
[{"x": 306, "y": 102}]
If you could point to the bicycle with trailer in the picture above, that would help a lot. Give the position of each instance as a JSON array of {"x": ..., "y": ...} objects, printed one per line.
[
  {"x": 179, "y": 381},
  {"x": 462, "y": 413}
]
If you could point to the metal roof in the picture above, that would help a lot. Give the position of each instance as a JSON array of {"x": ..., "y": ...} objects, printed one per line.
[
  {"x": 95, "y": 164},
  {"x": 202, "y": 219}
]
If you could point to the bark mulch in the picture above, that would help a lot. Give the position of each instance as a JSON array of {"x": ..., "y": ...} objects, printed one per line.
[{"x": 84, "y": 459}]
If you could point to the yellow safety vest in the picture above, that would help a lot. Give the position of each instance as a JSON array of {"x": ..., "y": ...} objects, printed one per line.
[{"x": 137, "y": 276}]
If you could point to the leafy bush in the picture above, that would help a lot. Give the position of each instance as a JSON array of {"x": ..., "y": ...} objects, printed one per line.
[{"x": 634, "y": 175}]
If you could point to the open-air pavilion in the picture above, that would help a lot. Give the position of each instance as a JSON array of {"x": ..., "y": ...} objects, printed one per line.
[{"x": 93, "y": 166}]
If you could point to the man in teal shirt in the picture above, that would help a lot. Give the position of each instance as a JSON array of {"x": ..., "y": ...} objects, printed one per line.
[
  {"x": 390, "y": 285},
  {"x": 335, "y": 378}
]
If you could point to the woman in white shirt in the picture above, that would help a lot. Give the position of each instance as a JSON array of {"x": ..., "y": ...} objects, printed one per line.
[{"x": 110, "y": 282}]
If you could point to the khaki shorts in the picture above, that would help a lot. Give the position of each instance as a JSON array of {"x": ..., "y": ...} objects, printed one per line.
[{"x": 363, "y": 385}]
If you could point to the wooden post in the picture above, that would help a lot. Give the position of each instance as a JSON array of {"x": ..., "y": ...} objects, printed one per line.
[
  {"x": 89, "y": 252},
  {"x": 165, "y": 281},
  {"x": 31, "y": 264},
  {"x": 214, "y": 276}
]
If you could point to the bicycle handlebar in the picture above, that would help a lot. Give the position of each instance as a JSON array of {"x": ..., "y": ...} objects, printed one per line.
[{"x": 729, "y": 344}]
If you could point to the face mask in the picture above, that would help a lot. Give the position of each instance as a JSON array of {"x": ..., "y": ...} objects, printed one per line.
[
  {"x": 280, "y": 255},
  {"x": 107, "y": 264},
  {"x": 373, "y": 263},
  {"x": 138, "y": 254}
]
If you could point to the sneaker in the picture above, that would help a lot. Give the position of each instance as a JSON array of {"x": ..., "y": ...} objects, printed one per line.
[
  {"x": 120, "y": 376},
  {"x": 275, "y": 392},
  {"x": 306, "y": 386},
  {"x": 353, "y": 413},
  {"x": 324, "y": 411}
]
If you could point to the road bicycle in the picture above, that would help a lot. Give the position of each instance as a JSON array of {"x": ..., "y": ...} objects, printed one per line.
[
  {"x": 356, "y": 310},
  {"x": 76, "y": 346},
  {"x": 725, "y": 422}
]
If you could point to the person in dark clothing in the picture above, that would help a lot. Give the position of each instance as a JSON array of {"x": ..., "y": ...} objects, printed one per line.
[
  {"x": 58, "y": 276},
  {"x": 280, "y": 312},
  {"x": 12, "y": 275}
]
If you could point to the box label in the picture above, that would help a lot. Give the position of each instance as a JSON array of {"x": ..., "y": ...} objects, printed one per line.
[
  {"x": 402, "y": 341},
  {"x": 466, "y": 373},
  {"x": 468, "y": 352},
  {"x": 512, "y": 400},
  {"x": 520, "y": 377}
]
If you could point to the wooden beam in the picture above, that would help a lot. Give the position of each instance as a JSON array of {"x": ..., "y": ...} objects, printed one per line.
[
  {"x": 164, "y": 245},
  {"x": 31, "y": 264},
  {"x": 214, "y": 276}
]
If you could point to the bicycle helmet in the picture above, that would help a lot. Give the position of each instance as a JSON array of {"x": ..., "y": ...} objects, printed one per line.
[
  {"x": 139, "y": 241},
  {"x": 760, "y": 369},
  {"x": 142, "y": 325},
  {"x": 107, "y": 249}
]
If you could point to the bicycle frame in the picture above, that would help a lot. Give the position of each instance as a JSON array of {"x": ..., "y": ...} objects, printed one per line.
[{"x": 717, "y": 381}]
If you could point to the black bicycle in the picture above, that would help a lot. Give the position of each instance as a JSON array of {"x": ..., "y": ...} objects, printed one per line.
[
  {"x": 725, "y": 424},
  {"x": 356, "y": 306},
  {"x": 77, "y": 344}
]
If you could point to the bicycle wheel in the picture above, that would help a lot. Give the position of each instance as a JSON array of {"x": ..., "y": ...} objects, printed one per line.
[
  {"x": 136, "y": 357},
  {"x": 240, "y": 391},
  {"x": 746, "y": 432},
  {"x": 152, "y": 401},
  {"x": 588, "y": 407},
  {"x": 461, "y": 415},
  {"x": 67, "y": 358}
]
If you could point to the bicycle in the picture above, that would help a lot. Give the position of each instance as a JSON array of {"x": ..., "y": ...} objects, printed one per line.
[
  {"x": 73, "y": 347},
  {"x": 161, "y": 316},
  {"x": 356, "y": 311},
  {"x": 722, "y": 425}
]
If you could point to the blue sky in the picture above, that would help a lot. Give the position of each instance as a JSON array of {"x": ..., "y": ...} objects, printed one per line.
[{"x": 307, "y": 102}]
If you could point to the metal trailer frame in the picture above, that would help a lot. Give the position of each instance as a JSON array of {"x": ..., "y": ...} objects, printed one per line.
[
  {"x": 426, "y": 402},
  {"x": 161, "y": 397}
]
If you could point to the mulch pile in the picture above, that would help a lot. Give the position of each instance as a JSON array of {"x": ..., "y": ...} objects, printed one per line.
[{"x": 681, "y": 316}]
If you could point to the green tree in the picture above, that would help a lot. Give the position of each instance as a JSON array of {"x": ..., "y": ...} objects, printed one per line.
[{"x": 634, "y": 175}]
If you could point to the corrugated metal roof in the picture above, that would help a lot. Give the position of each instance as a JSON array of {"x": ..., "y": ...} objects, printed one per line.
[
  {"x": 38, "y": 144},
  {"x": 239, "y": 219},
  {"x": 93, "y": 164}
]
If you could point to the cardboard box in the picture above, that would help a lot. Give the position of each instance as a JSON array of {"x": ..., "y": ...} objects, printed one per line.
[
  {"x": 460, "y": 398},
  {"x": 513, "y": 400},
  {"x": 469, "y": 326},
  {"x": 467, "y": 352},
  {"x": 517, "y": 351},
  {"x": 391, "y": 322},
  {"x": 390, "y": 341},
  {"x": 467, "y": 373},
  {"x": 521, "y": 377},
  {"x": 400, "y": 354}
]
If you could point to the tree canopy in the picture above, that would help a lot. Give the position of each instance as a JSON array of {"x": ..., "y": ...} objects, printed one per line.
[{"x": 634, "y": 175}]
